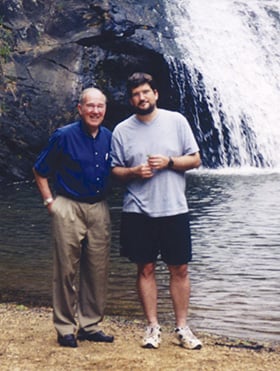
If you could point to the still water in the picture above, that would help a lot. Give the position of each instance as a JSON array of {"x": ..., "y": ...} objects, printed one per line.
[{"x": 235, "y": 269}]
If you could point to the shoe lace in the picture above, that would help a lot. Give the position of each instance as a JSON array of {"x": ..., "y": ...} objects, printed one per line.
[
  {"x": 185, "y": 332},
  {"x": 152, "y": 331}
]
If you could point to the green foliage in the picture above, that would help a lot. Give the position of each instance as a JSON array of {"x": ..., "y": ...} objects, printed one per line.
[
  {"x": 4, "y": 51},
  {"x": 5, "y": 42},
  {"x": 3, "y": 108}
]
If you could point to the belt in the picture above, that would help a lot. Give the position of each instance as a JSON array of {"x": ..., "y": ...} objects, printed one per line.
[{"x": 86, "y": 200}]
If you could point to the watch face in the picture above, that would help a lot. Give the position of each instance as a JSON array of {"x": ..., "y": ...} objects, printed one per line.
[
  {"x": 171, "y": 162},
  {"x": 48, "y": 201}
]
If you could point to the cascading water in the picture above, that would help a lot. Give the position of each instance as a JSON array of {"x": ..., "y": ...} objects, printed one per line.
[{"x": 228, "y": 75}]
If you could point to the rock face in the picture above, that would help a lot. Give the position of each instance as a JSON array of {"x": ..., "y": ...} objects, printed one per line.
[{"x": 50, "y": 51}]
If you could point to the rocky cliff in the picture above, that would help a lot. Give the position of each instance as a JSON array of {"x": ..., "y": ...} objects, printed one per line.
[{"x": 50, "y": 50}]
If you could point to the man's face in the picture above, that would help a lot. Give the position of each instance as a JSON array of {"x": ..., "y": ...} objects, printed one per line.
[
  {"x": 92, "y": 110},
  {"x": 144, "y": 99}
]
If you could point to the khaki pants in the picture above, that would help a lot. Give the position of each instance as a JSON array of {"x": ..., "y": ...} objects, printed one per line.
[{"x": 81, "y": 238}]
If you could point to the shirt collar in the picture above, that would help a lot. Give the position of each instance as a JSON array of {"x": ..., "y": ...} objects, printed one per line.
[{"x": 85, "y": 130}]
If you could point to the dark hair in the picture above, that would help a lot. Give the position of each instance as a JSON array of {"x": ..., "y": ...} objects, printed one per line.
[{"x": 140, "y": 78}]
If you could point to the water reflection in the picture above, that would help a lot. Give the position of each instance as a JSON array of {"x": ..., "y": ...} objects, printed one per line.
[{"x": 235, "y": 271}]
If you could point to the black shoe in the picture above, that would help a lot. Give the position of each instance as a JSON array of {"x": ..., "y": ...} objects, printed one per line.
[
  {"x": 95, "y": 336},
  {"x": 67, "y": 341}
]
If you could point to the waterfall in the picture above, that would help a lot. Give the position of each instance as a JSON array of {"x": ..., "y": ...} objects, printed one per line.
[{"x": 228, "y": 75}]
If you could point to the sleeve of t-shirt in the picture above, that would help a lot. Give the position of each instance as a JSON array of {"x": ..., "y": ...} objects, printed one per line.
[
  {"x": 117, "y": 150},
  {"x": 189, "y": 142}
]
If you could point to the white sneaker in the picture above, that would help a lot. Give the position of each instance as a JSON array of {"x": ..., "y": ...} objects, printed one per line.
[
  {"x": 152, "y": 337},
  {"x": 187, "y": 339}
]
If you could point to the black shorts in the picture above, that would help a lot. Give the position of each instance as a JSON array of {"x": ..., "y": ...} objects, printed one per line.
[{"x": 143, "y": 238}]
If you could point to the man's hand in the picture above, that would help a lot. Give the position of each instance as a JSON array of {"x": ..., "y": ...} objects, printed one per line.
[
  {"x": 158, "y": 162},
  {"x": 143, "y": 171}
]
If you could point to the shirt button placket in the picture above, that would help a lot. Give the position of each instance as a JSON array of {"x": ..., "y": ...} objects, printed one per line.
[{"x": 97, "y": 178}]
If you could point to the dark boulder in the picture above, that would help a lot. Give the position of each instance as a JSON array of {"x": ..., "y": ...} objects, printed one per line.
[{"x": 50, "y": 51}]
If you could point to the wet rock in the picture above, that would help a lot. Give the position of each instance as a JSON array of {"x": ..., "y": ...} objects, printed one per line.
[{"x": 50, "y": 50}]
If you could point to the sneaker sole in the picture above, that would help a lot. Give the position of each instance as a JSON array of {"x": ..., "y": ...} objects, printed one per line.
[
  {"x": 185, "y": 346},
  {"x": 150, "y": 346}
]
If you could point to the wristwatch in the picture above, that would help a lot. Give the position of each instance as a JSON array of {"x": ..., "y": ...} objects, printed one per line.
[
  {"x": 170, "y": 163},
  {"x": 48, "y": 201}
]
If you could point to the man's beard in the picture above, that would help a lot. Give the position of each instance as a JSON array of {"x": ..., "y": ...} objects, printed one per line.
[{"x": 146, "y": 111}]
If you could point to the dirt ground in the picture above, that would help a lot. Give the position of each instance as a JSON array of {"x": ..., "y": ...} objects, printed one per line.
[{"x": 28, "y": 342}]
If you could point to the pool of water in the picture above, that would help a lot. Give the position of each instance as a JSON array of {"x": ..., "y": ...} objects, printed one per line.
[{"x": 235, "y": 267}]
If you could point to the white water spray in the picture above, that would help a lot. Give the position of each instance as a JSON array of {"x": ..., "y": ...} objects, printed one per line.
[{"x": 235, "y": 45}]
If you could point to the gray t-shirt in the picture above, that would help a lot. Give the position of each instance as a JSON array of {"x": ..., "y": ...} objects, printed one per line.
[{"x": 168, "y": 134}]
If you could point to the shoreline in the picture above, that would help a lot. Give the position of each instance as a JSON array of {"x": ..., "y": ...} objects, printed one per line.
[
  {"x": 31, "y": 302},
  {"x": 28, "y": 342}
]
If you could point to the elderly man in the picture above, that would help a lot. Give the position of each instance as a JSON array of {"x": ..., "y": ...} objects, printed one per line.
[{"x": 77, "y": 159}]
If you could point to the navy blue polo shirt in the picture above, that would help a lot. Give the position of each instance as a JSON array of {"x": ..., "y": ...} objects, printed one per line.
[{"x": 78, "y": 163}]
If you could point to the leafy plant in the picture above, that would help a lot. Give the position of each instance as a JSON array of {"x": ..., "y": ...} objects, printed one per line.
[{"x": 5, "y": 42}]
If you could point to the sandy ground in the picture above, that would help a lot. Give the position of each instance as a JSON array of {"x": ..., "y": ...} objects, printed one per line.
[{"x": 28, "y": 342}]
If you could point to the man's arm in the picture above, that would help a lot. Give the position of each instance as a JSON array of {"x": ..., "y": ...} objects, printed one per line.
[
  {"x": 44, "y": 188},
  {"x": 180, "y": 163},
  {"x": 125, "y": 174},
  {"x": 158, "y": 162}
]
